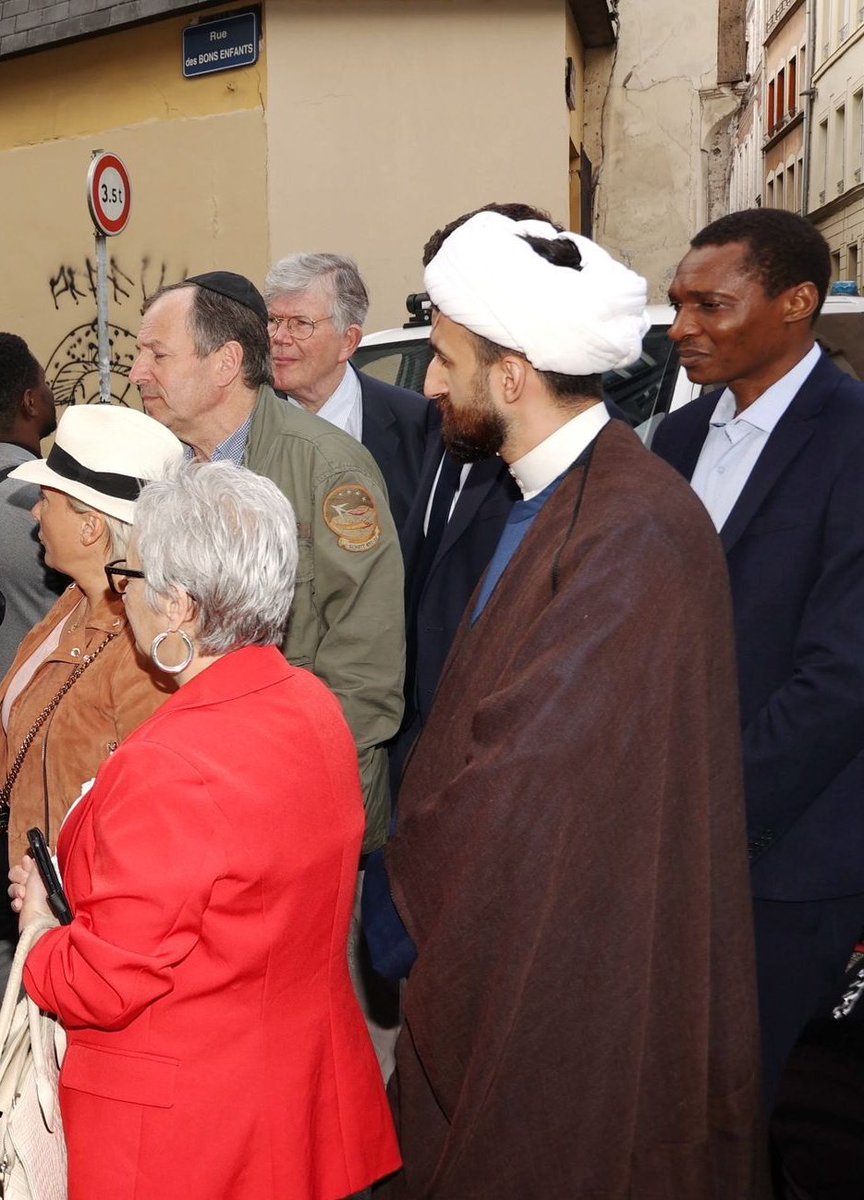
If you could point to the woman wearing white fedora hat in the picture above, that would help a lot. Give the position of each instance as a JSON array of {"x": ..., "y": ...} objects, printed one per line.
[{"x": 77, "y": 685}]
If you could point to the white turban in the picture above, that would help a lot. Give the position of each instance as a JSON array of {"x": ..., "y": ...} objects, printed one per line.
[{"x": 487, "y": 277}]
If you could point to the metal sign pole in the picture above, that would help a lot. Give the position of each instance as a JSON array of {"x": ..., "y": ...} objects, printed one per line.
[
  {"x": 102, "y": 318},
  {"x": 109, "y": 196}
]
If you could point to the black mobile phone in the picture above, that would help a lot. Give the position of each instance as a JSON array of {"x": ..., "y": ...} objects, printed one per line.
[{"x": 45, "y": 866}]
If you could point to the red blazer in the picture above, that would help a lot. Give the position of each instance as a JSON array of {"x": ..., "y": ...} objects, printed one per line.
[{"x": 216, "y": 1049}]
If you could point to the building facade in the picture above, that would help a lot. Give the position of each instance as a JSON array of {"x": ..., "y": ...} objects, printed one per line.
[
  {"x": 836, "y": 190},
  {"x": 786, "y": 67},
  {"x": 746, "y": 175},
  {"x": 665, "y": 106},
  {"x": 806, "y": 95}
]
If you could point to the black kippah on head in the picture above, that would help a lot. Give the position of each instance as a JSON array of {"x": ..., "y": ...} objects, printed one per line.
[{"x": 235, "y": 287}]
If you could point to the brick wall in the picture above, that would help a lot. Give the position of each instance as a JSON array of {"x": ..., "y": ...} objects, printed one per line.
[{"x": 33, "y": 24}]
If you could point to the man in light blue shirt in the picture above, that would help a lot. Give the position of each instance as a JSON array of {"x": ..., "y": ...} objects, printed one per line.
[
  {"x": 778, "y": 460},
  {"x": 736, "y": 439}
]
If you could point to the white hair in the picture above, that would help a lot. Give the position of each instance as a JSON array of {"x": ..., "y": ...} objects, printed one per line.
[
  {"x": 297, "y": 272},
  {"x": 228, "y": 538}
]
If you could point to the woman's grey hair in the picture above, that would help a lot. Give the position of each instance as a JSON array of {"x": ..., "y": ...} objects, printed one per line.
[
  {"x": 119, "y": 532},
  {"x": 228, "y": 538},
  {"x": 298, "y": 272}
]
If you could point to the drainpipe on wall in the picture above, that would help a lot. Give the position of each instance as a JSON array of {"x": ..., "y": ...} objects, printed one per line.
[{"x": 809, "y": 95}]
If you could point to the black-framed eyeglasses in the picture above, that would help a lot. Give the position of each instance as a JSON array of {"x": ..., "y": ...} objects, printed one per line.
[
  {"x": 300, "y": 328},
  {"x": 119, "y": 575}
]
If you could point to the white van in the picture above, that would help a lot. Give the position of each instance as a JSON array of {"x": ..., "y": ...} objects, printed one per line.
[{"x": 646, "y": 391}]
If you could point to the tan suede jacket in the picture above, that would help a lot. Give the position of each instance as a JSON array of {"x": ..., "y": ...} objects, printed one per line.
[{"x": 116, "y": 692}]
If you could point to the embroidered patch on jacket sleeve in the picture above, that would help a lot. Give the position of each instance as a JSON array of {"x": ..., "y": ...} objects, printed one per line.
[{"x": 350, "y": 512}]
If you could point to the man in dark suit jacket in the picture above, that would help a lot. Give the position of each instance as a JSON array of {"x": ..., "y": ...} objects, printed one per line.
[
  {"x": 317, "y": 305},
  {"x": 395, "y": 429},
  {"x": 778, "y": 459},
  {"x": 443, "y": 570}
]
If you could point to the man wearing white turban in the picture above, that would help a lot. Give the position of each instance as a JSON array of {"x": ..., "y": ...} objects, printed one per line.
[{"x": 570, "y": 858}]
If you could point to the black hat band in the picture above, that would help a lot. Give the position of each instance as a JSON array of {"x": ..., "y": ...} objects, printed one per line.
[{"x": 122, "y": 487}]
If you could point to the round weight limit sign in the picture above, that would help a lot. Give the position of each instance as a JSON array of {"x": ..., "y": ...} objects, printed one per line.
[{"x": 109, "y": 194}]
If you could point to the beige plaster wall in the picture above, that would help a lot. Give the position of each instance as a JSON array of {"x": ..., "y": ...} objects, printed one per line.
[
  {"x": 196, "y": 152},
  {"x": 193, "y": 187},
  {"x": 366, "y": 125},
  {"x": 664, "y": 136},
  {"x": 388, "y": 118},
  {"x": 109, "y": 82}
]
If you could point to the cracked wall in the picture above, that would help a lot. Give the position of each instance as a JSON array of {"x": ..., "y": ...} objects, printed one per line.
[{"x": 662, "y": 136}]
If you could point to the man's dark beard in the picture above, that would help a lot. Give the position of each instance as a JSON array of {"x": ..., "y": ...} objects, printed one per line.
[{"x": 471, "y": 433}]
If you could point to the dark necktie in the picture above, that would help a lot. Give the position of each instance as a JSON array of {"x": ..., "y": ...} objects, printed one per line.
[{"x": 442, "y": 502}]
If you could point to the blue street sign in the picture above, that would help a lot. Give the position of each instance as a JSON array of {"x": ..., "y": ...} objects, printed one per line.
[{"x": 220, "y": 45}]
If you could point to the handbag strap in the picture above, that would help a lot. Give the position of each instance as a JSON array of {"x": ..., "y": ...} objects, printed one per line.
[
  {"x": 46, "y": 1080},
  {"x": 30, "y": 736},
  {"x": 11, "y": 996}
]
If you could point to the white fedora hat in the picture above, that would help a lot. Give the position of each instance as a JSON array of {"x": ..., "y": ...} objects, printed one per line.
[{"x": 103, "y": 455}]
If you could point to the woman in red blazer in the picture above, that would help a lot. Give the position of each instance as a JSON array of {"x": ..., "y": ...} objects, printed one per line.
[{"x": 215, "y": 1047}]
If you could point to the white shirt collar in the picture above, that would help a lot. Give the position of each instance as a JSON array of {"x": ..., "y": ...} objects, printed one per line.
[
  {"x": 535, "y": 470},
  {"x": 345, "y": 407},
  {"x": 765, "y": 412}
]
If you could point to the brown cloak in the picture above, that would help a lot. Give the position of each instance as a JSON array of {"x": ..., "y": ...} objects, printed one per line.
[{"x": 581, "y": 1020}]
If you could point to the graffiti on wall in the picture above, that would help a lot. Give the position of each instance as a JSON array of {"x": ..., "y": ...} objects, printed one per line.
[
  {"x": 72, "y": 371},
  {"x": 74, "y": 283}
]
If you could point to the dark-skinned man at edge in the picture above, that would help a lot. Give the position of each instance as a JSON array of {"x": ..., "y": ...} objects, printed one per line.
[{"x": 776, "y": 457}]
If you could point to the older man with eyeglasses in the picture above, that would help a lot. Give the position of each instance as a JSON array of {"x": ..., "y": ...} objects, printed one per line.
[{"x": 316, "y": 305}]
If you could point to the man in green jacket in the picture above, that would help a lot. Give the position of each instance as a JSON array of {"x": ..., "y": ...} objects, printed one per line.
[{"x": 203, "y": 369}]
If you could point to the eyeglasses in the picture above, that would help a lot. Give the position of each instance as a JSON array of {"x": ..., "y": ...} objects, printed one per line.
[
  {"x": 300, "y": 328},
  {"x": 119, "y": 575}
]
